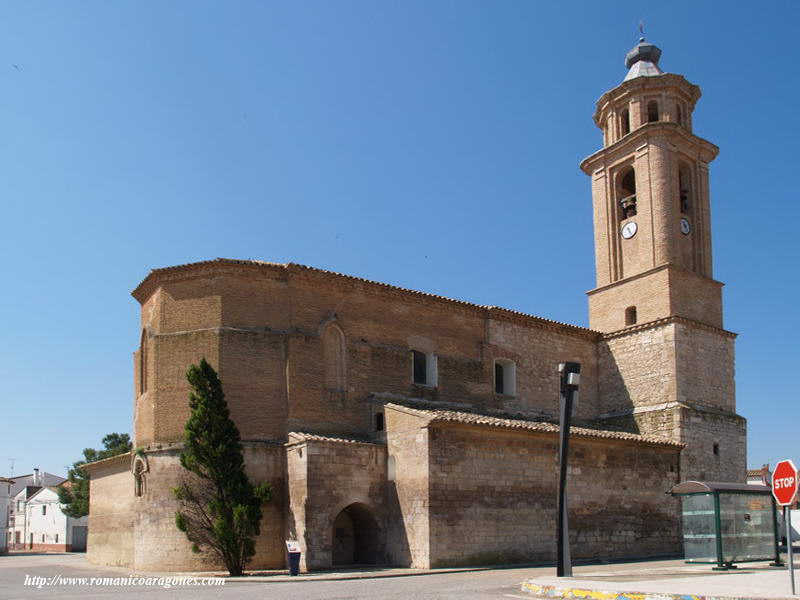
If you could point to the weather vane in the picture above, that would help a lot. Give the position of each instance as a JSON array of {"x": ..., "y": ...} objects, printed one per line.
[{"x": 641, "y": 27}]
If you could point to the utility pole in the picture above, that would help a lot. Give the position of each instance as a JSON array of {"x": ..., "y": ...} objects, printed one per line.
[{"x": 570, "y": 380}]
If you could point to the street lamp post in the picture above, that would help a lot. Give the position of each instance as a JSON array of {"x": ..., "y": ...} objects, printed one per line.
[{"x": 570, "y": 380}]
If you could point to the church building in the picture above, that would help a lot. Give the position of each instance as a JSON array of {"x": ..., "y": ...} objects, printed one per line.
[{"x": 408, "y": 429}]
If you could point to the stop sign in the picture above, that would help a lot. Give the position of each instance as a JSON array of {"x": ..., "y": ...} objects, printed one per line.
[{"x": 784, "y": 482}]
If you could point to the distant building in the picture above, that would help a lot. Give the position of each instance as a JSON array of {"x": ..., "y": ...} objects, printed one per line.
[
  {"x": 21, "y": 490},
  {"x": 48, "y": 528},
  {"x": 764, "y": 476},
  {"x": 5, "y": 513}
]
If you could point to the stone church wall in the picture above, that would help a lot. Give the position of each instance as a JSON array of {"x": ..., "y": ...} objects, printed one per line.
[
  {"x": 637, "y": 368},
  {"x": 493, "y": 497},
  {"x": 139, "y": 531},
  {"x": 325, "y": 477},
  {"x": 408, "y": 493},
  {"x": 111, "y": 514},
  {"x": 716, "y": 446}
]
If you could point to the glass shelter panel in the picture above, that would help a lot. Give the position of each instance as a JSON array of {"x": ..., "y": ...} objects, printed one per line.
[
  {"x": 747, "y": 527},
  {"x": 699, "y": 528}
]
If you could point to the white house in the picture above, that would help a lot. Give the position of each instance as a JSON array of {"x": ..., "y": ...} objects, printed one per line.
[
  {"x": 5, "y": 513},
  {"x": 24, "y": 487},
  {"x": 49, "y": 528}
]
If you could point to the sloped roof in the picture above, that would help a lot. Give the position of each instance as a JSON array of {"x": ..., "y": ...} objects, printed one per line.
[
  {"x": 23, "y": 481},
  {"x": 296, "y": 437},
  {"x": 451, "y": 416}
]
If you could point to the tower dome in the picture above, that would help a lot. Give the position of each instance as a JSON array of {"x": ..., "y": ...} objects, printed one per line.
[{"x": 642, "y": 60}]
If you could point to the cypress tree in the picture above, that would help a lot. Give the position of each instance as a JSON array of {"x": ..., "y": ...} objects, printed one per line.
[{"x": 220, "y": 510}]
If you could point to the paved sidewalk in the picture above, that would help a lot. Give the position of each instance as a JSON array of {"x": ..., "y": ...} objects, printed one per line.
[
  {"x": 365, "y": 572},
  {"x": 751, "y": 581}
]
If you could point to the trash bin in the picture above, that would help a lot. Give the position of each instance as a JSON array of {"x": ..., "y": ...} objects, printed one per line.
[
  {"x": 294, "y": 563},
  {"x": 293, "y": 556}
]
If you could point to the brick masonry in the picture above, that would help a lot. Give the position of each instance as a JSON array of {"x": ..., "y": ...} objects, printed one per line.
[{"x": 369, "y": 466}]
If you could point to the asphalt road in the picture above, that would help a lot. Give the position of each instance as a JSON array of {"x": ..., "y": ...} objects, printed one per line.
[{"x": 499, "y": 584}]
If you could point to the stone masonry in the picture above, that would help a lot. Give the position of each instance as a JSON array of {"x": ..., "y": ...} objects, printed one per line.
[{"x": 403, "y": 428}]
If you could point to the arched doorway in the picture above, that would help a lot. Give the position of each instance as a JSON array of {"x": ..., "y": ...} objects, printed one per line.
[{"x": 355, "y": 536}]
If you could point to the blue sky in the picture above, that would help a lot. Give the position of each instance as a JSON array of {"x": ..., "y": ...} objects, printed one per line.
[{"x": 433, "y": 145}]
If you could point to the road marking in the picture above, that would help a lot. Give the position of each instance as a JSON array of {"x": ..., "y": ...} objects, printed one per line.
[{"x": 515, "y": 596}]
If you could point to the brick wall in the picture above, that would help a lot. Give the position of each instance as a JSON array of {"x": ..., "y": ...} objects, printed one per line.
[{"x": 261, "y": 327}]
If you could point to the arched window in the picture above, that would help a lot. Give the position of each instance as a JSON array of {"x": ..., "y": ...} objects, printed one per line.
[
  {"x": 333, "y": 357},
  {"x": 139, "y": 468},
  {"x": 679, "y": 113},
  {"x": 143, "y": 363},
  {"x": 626, "y": 192},
  {"x": 652, "y": 111},
  {"x": 685, "y": 187},
  {"x": 630, "y": 316},
  {"x": 626, "y": 122}
]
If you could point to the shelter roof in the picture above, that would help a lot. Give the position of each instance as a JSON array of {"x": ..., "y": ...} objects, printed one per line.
[{"x": 699, "y": 487}]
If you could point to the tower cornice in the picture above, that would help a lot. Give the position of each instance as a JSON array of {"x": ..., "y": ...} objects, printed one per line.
[
  {"x": 704, "y": 149},
  {"x": 639, "y": 85}
]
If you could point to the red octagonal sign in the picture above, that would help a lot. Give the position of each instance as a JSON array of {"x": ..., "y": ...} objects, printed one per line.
[{"x": 784, "y": 482}]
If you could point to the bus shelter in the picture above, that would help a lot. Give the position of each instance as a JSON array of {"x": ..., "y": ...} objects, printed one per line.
[{"x": 727, "y": 523}]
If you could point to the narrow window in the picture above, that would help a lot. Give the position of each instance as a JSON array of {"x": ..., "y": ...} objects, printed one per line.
[
  {"x": 499, "y": 388},
  {"x": 333, "y": 356},
  {"x": 43, "y": 538},
  {"x": 391, "y": 468},
  {"x": 630, "y": 316},
  {"x": 420, "y": 367},
  {"x": 716, "y": 449},
  {"x": 652, "y": 111},
  {"x": 379, "y": 421},
  {"x": 143, "y": 363},
  {"x": 627, "y": 193},
  {"x": 56, "y": 538},
  {"x": 505, "y": 377},
  {"x": 679, "y": 112},
  {"x": 685, "y": 187},
  {"x": 626, "y": 122},
  {"x": 44, "y": 509}
]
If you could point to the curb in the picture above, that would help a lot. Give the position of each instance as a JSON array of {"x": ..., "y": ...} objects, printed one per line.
[{"x": 550, "y": 591}]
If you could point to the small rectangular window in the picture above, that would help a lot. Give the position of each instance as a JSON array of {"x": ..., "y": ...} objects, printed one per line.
[
  {"x": 505, "y": 377},
  {"x": 379, "y": 421},
  {"x": 43, "y": 538},
  {"x": 44, "y": 509},
  {"x": 499, "y": 388},
  {"x": 56, "y": 538}
]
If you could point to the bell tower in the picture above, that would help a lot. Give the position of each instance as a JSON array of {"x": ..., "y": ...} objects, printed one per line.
[
  {"x": 665, "y": 363},
  {"x": 650, "y": 192}
]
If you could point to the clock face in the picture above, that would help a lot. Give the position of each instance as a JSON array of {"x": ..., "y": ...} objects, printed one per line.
[
  {"x": 686, "y": 228},
  {"x": 629, "y": 230}
]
